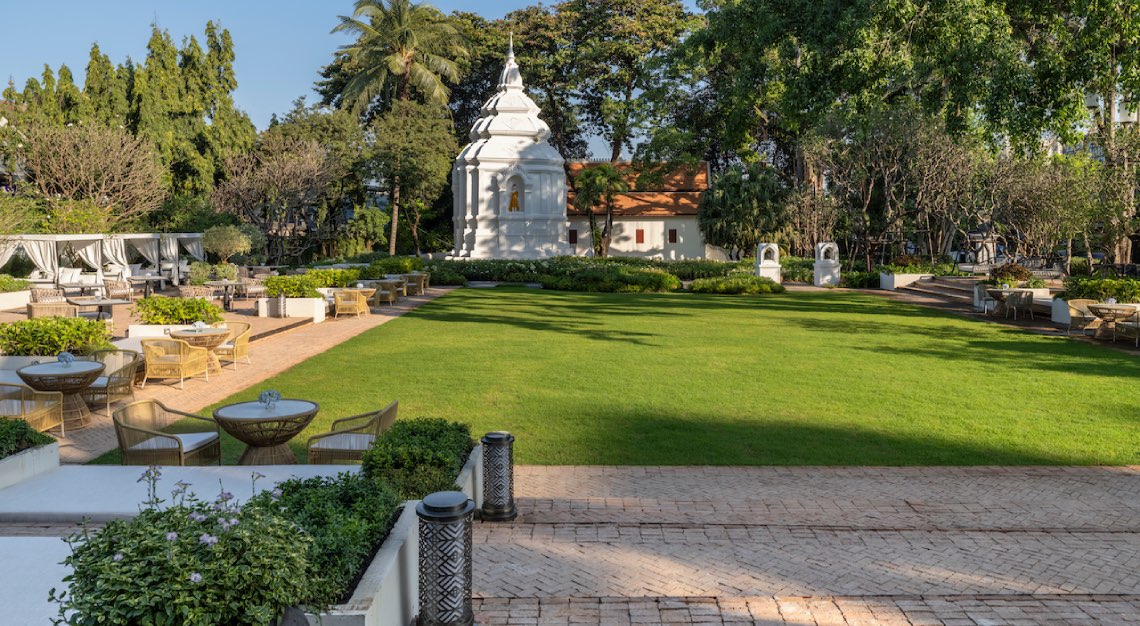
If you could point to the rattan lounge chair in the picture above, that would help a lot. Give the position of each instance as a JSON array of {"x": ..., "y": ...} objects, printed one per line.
[
  {"x": 250, "y": 288},
  {"x": 47, "y": 302},
  {"x": 42, "y": 410},
  {"x": 351, "y": 437},
  {"x": 1081, "y": 317},
  {"x": 196, "y": 291},
  {"x": 386, "y": 292},
  {"x": 118, "y": 379},
  {"x": 174, "y": 358},
  {"x": 118, "y": 289},
  {"x": 142, "y": 443},
  {"x": 236, "y": 346},
  {"x": 349, "y": 303}
]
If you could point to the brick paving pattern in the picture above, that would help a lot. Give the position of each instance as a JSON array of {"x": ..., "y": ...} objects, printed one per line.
[{"x": 708, "y": 545}]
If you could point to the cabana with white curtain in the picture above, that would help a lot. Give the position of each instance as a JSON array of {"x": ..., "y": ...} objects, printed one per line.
[{"x": 104, "y": 255}]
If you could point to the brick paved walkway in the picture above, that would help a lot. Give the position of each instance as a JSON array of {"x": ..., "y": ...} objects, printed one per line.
[
  {"x": 270, "y": 356},
  {"x": 814, "y": 546}
]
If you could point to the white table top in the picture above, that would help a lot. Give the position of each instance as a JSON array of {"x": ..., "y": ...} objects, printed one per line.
[
  {"x": 56, "y": 368},
  {"x": 256, "y": 411},
  {"x": 199, "y": 331},
  {"x": 90, "y": 301},
  {"x": 156, "y": 277}
]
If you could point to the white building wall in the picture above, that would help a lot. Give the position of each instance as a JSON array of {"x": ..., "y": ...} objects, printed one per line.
[{"x": 689, "y": 245}]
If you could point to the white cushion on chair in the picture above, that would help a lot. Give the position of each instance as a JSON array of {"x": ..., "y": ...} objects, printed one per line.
[
  {"x": 345, "y": 441},
  {"x": 190, "y": 442},
  {"x": 100, "y": 383}
]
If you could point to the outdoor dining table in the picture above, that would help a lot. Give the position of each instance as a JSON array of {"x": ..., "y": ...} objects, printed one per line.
[
  {"x": 1001, "y": 295},
  {"x": 265, "y": 429},
  {"x": 70, "y": 379},
  {"x": 146, "y": 281},
  {"x": 208, "y": 338},
  {"x": 1110, "y": 314},
  {"x": 401, "y": 283},
  {"x": 103, "y": 304},
  {"x": 417, "y": 283},
  {"x": 227, "y": 291}
]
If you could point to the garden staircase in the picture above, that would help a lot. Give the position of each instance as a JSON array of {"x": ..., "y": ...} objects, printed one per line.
[{"x": 959, "y": 291}]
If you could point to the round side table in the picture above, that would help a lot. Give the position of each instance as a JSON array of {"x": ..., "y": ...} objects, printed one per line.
[
  {"x": 70, "y": 379},
  {"x": 266, "y": 431}
]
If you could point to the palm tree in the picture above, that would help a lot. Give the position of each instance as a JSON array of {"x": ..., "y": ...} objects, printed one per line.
[
  {"x": 400, "y": 45},
  {"x": 594, "y": 185}
]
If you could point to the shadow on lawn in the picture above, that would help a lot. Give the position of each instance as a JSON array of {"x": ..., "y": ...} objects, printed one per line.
[{"x": 622, "y": 437}]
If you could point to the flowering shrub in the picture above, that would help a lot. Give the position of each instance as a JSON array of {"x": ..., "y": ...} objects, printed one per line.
[
  {"x": 738, "y": 284},
  {"x": 192, "y": 564}
]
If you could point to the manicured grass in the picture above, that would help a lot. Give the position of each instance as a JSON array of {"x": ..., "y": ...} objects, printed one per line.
[{"x": 830, "y": 378}]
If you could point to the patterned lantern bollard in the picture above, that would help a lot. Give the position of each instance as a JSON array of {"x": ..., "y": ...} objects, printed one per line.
[
  {"x": 498, "y": 477},
  {"x": 445, "y": 559}
]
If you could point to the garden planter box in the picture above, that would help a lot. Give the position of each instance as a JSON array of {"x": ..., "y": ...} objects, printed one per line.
[
  {"x": 24, "y": 465},
  {"x": 150, "y": 331},
  {"x": 14, "y": 300},
  {"x": 890, "y": 282},
  {"x": 1060, "y": 312},
  {"x": 313, "y": 308},
  {"x": 388, "y": 593}
]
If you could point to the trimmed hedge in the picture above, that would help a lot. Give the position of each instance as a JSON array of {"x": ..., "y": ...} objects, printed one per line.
[
  {"x": 860, "y": 280},
  {"x": 324, "y": 278},
  {"x": 293, "y": 286},
  {"x": 16, "y": 435},
  {"x": 738, "y": 284},
  {"x": 797, "y": 269},
  {"x": 419, "y": 456},
  {"x": 163, "y": 310},
  {"x": 1101, "y": 289},
  {"x": 48, "y": 336},
  {"x": 392, "y": 265},
  {"x": 9, "y": 284}
]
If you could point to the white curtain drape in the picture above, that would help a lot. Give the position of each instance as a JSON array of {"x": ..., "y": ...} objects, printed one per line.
[
  {"x": 115, "y": 251},
  {"x": 193, "y": 247},
  {"x": 7, "y": 249},
  {"x": 43, "y": 256},
  {"x": 148, "y": 248},
  {"x": 169, "y": 249},
  {"x": 91, "y": 253}
]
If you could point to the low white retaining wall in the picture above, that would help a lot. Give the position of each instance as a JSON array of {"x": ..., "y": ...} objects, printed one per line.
[
  {"x": 388, "y": 593},
  {"x": 15, "y": 300},
  {"x": 23, "y": 465},
  {"x": 890, "y": 282},
  {"x": 313, "y": 308}
]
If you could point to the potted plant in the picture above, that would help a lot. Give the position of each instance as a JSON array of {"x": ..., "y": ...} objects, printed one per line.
[
  {"x": 160, "y": 314},
  {"x": 293, "y": 296}
]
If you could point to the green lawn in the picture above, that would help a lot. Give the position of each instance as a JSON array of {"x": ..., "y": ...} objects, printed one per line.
[{"x": 830, "y": 378}]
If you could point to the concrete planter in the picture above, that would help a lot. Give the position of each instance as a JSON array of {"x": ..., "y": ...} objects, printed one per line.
[
  {"x": 312, "y": 308},
  {"x": 151, "y": 331},
  {"x": 890, "y": 282},
  {"x": 14, "y": 300},
  {"x": 388, "y": 593},
  {"x": 24, "y": 465},
  {"x": 1060, "y": 312}
]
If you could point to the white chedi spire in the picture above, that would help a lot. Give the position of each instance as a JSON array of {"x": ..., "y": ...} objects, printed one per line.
[{"x": 510, "y": 112}]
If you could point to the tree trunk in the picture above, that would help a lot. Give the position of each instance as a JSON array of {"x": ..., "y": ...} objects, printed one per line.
[
  {"x": 395, "y": 215},
  {"x": 609, "y": 229}
]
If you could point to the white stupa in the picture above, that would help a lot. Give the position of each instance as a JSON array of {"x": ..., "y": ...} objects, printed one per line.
[{"x": 509, "y": 182}]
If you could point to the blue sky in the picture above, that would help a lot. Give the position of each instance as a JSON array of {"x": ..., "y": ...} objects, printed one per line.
[{"x": 280, "y": 46}]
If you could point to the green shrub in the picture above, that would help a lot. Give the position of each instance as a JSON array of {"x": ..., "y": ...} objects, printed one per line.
[
  {"x": 922, "y": 267},
  {"x": 162, "y": 310},
  {"x": 614, "y": 279},
  {"x": 200, "y": 273},
  {"x": 419, "y": 456},
  {"x": 1101, "y": 289},
  {"x": 1012, "y": 274},
  {"x": 225, "y": 241},
  {"x": 192, "y": 564},
  {"x": 797, "y": 269},
  {"x": 48, "y": 336},
  {"x": 392, "y": 265},
  {"x": 19, "y": 266},
  {"x": 9, "y": 284},
  {"x": 860, "y": 280},
  {"x": 347, "y": 517},
  {"x": 294, "y": 286},
  {"x": 225, "y": 271},
  {"x": 737, "y": 284},
  {"x": 448, "y": 278},
  {"x": 333, "y": 277},
  {"x": 16, "y": 435}
]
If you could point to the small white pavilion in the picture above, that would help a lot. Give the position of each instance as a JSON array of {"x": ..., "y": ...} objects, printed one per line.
[{"x": 509, "y": 183}]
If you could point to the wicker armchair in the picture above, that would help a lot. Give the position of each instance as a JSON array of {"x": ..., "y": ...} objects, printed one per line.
[
  {"x": 118, "y": 289},
  {"x": 386, "y": 293},
  {"x": 118, "y": 379},
  {"x": 349, "y": 303},
  {"x": 1081, "y": 317},
  {"x": 420, "y": 280},
  {"x": 236, "y": 346},
  {"x": 43, "y": 410},
  {"x": 142, "y": 443},
  {"x": 47, "y": 302},
  {"x": 196, "y": 291},
  {"x": 350, "y": 437},
  {"x": 174, "y": 358},
  {"x": 250, "y": 288},
  {"x": 1019, "y": 301}
]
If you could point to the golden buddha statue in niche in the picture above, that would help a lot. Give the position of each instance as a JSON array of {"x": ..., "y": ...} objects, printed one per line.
[{"x": 514, "y": 206}]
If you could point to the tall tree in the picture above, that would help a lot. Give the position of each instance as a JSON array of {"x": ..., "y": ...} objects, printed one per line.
[
  {"x": 743, "y": 208},
  {"x": 400, "y": 47},
  {"x": 105, "y": 89}
]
